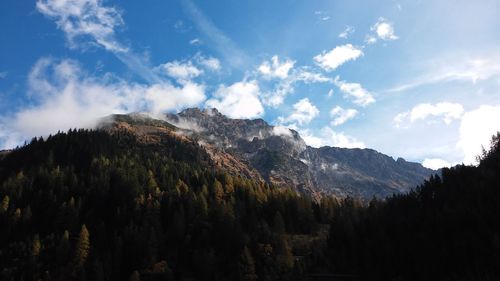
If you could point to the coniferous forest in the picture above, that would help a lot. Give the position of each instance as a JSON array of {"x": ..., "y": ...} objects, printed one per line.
[{"x": 89, "y": 205}]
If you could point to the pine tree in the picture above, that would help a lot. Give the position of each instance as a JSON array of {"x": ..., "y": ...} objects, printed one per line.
[
  {"x": 36, "y": 246},
  {"x": 82, "y": 248},
  {"x": 246, "y": 266},
  {"x": 218, "y": 192},
  {"x": 5, "y": 204}
]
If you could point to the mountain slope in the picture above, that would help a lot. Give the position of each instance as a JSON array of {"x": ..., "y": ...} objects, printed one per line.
[{"x": 281, "y": 157}]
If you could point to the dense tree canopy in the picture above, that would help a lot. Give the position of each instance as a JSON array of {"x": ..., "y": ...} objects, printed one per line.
[{"x": 89, "y": 205}]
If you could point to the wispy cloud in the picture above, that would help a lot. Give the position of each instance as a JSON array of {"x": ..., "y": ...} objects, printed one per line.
[
  {"x": 195, "y": 42},
  {"x": 347, "y": 31},
  {"x": 286, "y": 76},
  {"x": 181, "y": 27},
  {"x": 3, "y": 74},
  {"x": 454, "y": 68},
  {"x": 354, "y": 91},
  {"x": 328, "y": 137},
  {"x": 226, "y": 47},
  {"x": 322, "y": 15},
  {"x": 341, "y": 115},
  {"x": 89, "y": 23},
  {"x": 87, "y": 18}
]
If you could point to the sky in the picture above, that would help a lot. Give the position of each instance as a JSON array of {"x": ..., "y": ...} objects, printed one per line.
[{"x": 412, "y": 79}]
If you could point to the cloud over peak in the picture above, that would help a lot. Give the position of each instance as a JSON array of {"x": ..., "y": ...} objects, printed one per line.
[
  {"x": 329, "y": 137},
  {"x": 240, "y": 100},
  {"x": 65, "y": 96}
]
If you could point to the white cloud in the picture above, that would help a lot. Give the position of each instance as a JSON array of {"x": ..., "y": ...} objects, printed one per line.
[
  {"x": 84, "y": 18},
  {"x": 277, "y": 96},
  {"x": 355, "y": 91},
  {"x": 322, "y": 15},
  {"x": 340, "y": 115},
  {"x": 64, "y": 96},
  {"x": 307, "y": 76},
  {"x": 347, "y": 31},
  {"x": 195, "y": 42},
  {"x": 166, "y": 97},
  {"x": 240, "y": 100},
  {"x": 370, "y": 39},
  {"x": 89, "y": 23},
  {"x": 304, "y": 112},
  {"x": 211, "y": 63},
  {"x": 286, "y": 86},
  {"x": 384, "y": 30},
  {"x": 445, "y": 111},
  {"x": 282, "y": 131},
  {"x": 328, "y": 137},
  {"x": 337, "y": 56},
  {"x": 186, "y": 71},
  {"x": 178, "y": 70},
  {"x": 330, "y": 93},
  {"x": 476, "y": 129},
  {"x": 181, "y": 27},
  {"x": 275, "y": 68},
  {"x": 3, "y": 74},
  {"x": 435, "y": 163}
]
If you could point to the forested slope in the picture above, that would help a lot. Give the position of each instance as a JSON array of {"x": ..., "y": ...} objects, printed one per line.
[
  {"x": 98, "y": 205},
  {"x": 88, "y": 205}
]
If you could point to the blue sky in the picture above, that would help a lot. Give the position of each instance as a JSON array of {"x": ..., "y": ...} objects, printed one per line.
[{"x": 412, "y": 79}]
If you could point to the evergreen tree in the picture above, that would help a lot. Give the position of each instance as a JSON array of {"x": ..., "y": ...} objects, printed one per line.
[
  {"x": 5, "y": 204},
  {"x": 246, "y": 266},
  {"x": 36, "y": 246},
  {"x": 82, "y": 248}
]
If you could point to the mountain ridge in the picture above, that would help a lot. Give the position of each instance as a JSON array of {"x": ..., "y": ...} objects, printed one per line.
[{"x": 280, "y": 156}]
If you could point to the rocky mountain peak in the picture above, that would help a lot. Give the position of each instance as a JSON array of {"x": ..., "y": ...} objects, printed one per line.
[{"x": 280, "y": 156}]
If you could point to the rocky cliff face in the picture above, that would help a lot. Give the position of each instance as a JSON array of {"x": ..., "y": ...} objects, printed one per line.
[{"x": 280, "y": 156}]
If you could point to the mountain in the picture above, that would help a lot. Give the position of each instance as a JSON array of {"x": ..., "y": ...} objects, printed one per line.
[
  {"x": 142, "y": 199},
  {"x": 280, "y": 156}
]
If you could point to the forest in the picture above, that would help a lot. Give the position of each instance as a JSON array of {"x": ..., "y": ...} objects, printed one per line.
[{"x": 90, "y": 205}]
